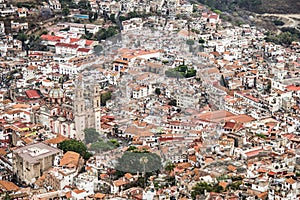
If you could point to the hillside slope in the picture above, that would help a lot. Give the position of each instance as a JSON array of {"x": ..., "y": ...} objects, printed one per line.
[
  {"x": 258, "y": 6},
  {"x": 280, "y": 6}
]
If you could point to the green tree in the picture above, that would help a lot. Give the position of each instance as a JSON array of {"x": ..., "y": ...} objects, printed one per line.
[
  {"x": 115, "y": 129},
  {"x": 95, "y": 16},
  {"x": 190, "y": 73},
  {"x": 76, "y": 146},
  {"x": 103, "y": 33},
  {"x": 217, "y": 12},
  {"x": 169, "y": 167},
  {"x": 84, "y": 4},
  {"x": 22, "y": 37},
  {"x": 278, "y": 22},
  {"x": 190, "y": 42},
  {"x": 132, "y": 15},
  {"x": 65, "y": 11},
  {"x": 114, "y": 142},
  {"x": 6, "y": 197},
  {"x": 132, "y": 148},
  {"x": 112, "y": 18},
  {"x": 201, "y": 41},
  {"x": 91, "y": 16},
  {"x": 105, "y": 97},
  {"x": 173, "y": 102},
  {"x": 102, "y": 146},
  {"x": 90, "y": 135},
  {"x": 199, "y": 189},
  {"x": 98, "y": 49},
  {"x": 234, "y": 186},
  {"x": 157, "y": 91},
  {"x": 131, "y": 162},
  {"x": 122, "y": 18},
  {"x": 182, "y": 68}
]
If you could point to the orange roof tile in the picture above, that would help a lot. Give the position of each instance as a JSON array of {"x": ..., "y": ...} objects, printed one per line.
[
  {"x": 99, "y": 196},
  {"x": 290, "y": 181},
  {"x": 9, "y": 186},
  {"x": 103, "y": 176},
  {"x": 2, "y": 152},
  {"x": 223, "y": 184},
  {"x": 231, "y": 168},
  {"x": 56, "y": 140},
  {"x": 184, "y": 165},
  {"x": 128, "y": 175},
  {"x": 70, "y": 157},
  {"x": 262, "y": 195},
  {"x": 77, "y": 191},
  {"x": 68, "y": 195},
  {"x": 119, "y": 182}
]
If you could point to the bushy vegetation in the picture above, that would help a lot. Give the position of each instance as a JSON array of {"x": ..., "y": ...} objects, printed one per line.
[
  {"x": 133, "y": 14},
  {"x": 169, "y": 167},
  {"x": 278, "y": 23},
  {"x": 230, "y": 5},
  {"x": 172, "y": 102},
  {"x": 102, "y": 146},
  {"x": 181, "y": 71},
  {"x": 286, "y": 37},
  {"x": 90, "y": 135},
  {"x": 105, "y": 97},
  {"x": 200, "y": 187},
  {"x": 103, "y": 33},
  {"x": 261, "y": 135},
  {"x": 132, "y": 161},
  {"x": 76, "y": 146}
]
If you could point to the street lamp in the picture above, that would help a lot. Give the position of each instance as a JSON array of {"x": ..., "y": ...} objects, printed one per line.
[{"x": 144, "y": 161}]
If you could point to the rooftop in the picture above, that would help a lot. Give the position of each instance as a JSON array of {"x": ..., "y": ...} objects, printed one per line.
[{"x": 34, "y": 152}]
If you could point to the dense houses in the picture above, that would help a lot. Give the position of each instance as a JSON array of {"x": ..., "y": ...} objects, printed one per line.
[{"x": 218, "y": 105}]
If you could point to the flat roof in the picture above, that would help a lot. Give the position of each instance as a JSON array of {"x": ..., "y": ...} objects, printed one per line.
[{"x": 32, "y": 153}]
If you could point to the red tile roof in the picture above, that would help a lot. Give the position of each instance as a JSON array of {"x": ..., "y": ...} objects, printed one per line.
[
  {"x": 88, "y": 42},
  {"x": 293, "y": 88},
  {"x": 72, "y": 46},
  {"x": 254, "y": 152},
  {"x": 32, "y": 94},
  {"x": 73, "y": 40},
  {"x": 84, "y": 50},
  {"x": 229, "y": 125},
  {"x": 51, "y": 38}
]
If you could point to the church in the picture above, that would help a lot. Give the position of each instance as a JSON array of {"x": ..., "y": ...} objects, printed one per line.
[{"x": 69, "y": 115}]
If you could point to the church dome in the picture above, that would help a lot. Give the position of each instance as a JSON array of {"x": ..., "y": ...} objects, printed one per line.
[{"x": 56, "y": 92}]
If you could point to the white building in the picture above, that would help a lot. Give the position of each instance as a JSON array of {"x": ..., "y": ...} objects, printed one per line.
[
  {"x": 55, "y": 4},
  {"x": 64, "y": 48},
  {"x": 81, "y": 28},
  {"x": 69, "y": 69}
]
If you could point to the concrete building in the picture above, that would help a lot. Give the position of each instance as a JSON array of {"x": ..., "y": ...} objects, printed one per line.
[{"x": 29, "y": 162}]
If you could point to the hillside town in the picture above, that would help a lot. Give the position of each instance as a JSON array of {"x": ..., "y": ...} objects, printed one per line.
[{"x": 144, "y": 100}]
